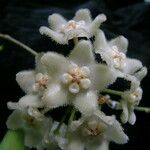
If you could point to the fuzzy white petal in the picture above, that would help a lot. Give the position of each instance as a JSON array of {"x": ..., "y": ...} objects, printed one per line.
[
  {"x": 85, "y": 83},
  {"x": 74, "y": 88},
  {"x": 26, "y": 79},
  {"x": 83, "y": 14},
  {"x": 66, "y": 78},
  {"x": 124, "y": 115},
  {"x": 86, "y": 103},
  {"x": 82, "y": 54},
  {"x": 75, "y": 144},
  {"x": 141, "y": 74},
  {"x": 132, "y": 116},
  {"x": 58, "y": 37},
  {"x": 30, "y": 101},
  {"x": 55, "y": 96},
  {"x": 102, "y": 76},
  {"x": 121, "y": 42},
  {"x": 55, "y": 64},
  {"x": 55, "y": 21},
  {"x": 86, "y": 70},
  {"x": 115, "y": 132},
  {"x": 94, "y": 26}
]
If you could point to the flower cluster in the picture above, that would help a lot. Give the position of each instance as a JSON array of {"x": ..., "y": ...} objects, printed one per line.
[{"x": 80, "y": 84}]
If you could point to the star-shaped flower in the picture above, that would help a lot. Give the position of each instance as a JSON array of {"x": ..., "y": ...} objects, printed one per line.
[
  {"x": 77, "y": 79},
  {"x": 81, "y": 25},
  {"x": 94, "y": 134},
  {"x": 114, "y": 53},
  {"x": 35, "y": 129}
]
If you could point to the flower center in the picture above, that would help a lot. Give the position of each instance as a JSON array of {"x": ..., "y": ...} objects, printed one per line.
[
  {"x": 77, "y": 78},
  {"x": 118, "y": 58},
  {"x": 41, "y": 82},
  {"x": 72, "y": 25}
]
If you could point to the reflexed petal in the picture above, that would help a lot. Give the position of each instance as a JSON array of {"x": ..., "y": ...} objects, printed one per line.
[
  {"x": 30, "y": 101},
  {"x": 26, "y": 79},
  {"x": 56, "y": 21},
  {"x": 86, "y": 102},
  {"x": 141, "y": 74},
  {"x": 132, "y": 116},
  {"x": 39, "y": 66},
  {"x": 124, "y": 115},
  {"x": 55, "y": 64},
  {"x": 102, "y": 76},
  {"x": 55, "y": 96},
  {"x": 132, "y": 65},
  {"x": 115, "y": 132},
  {"x": 100, "y": 42},
  {"x": 121, "y": 42},
  {"x": 94, "y": 26},
  {"x": 75, "y": 144},
  {"x": 83, "y": 14},
  {"x": 82, "y": 54},
  {"x": 15, "y": 120},
  {"x": 58, "y": 37}
]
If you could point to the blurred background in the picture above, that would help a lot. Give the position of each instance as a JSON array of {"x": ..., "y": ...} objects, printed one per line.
[{"x": 22, "y": 18}]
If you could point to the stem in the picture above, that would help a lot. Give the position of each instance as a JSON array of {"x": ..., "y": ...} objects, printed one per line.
[
  {"x": 145, "y": 109},
  {"x": 11, "y": 39},
  {"x": 11, "y": 139},
  {"x": 72, "y": 116},
  {"x": 114, "y": 92},
  {"x": 75, "y": 40},
  {"x": 62, "y": 121}
]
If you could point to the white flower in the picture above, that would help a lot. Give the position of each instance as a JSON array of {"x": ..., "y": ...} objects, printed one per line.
[
  {"x": 93, "y": 134},
  {"x": 33, "y": 83},
  {"x": 76, "y": 79},
  {"x": 114, "y": 53},
  {"x": 130, "y": 99},
  {"x": 35, "y": 129},
  {"x": 81, "y": 25}
]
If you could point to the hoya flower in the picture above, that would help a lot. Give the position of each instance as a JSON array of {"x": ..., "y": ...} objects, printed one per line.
[
  {"x": 35, "y": 129},
  {"x": 114, "y": 53},
  {"x": 130, "y": 99},
  {"x": 76, "y": 79},
  {"x": 81, "y": 25},
  {"x": 93, "y": 134},
  {"x": 33, "y": 83}
]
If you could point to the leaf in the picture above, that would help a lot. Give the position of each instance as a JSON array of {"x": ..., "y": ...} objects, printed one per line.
[{"x": 13, "y": 140}]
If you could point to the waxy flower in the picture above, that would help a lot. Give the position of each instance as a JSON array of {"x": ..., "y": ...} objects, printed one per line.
[
  {"x": 130, "y": 99},
  {"x": 93, "y": 134},
  {"x": 81, "y": 25},
  {"x": 77, "y": 79},
  {"x": 114, "y": 53},
  {"x": 35, "y": 129}
]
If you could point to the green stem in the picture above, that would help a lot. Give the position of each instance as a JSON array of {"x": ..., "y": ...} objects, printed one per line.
[
  {"x": 11, "y": 39},
  {"x": 72, "y": 116},
  {"x": 114, "y": 92},
  {"x": 13, "y": 140},
  {"x": 145, "y": 109}
]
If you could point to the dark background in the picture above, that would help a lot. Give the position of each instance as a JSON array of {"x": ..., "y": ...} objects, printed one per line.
[{"x": 22, "y": 19}]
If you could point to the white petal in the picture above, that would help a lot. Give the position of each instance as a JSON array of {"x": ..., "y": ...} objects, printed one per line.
[
  {"x": 56, "y": 21},
  {"x": 132, "y": 116},
  {"x": 85, "y": 83},
  {"x": 55, "y": 63},
  {"x": 74, "y": 88},
  {"x": 66, "y": 78},
  {"x": 94, "y": 26},
  {"x": 26, "y": 79},
  {"x": 55, "y": 96},
  {"x": 86, "y": 102},
  {"x": 102, "y": 76},
  {"x": 82, "y": 54},
  {"x": 83, "y": 14},
  {"x": 75, "y": 144},
  {"x": 39, "y": 66},
  {"x": 58, "y": 37},
  {"x": 86, "y": 70},
  {"x": 124, "y": 115},
  {"x": 100, "y": 42},
  {"x": 115, "y": 132},
  {"x": 132, "y": 65},
  {"x": 15, "y": 120},
  {"x": 141, "y": 74},
  {"x": 121, "y": 42}
]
